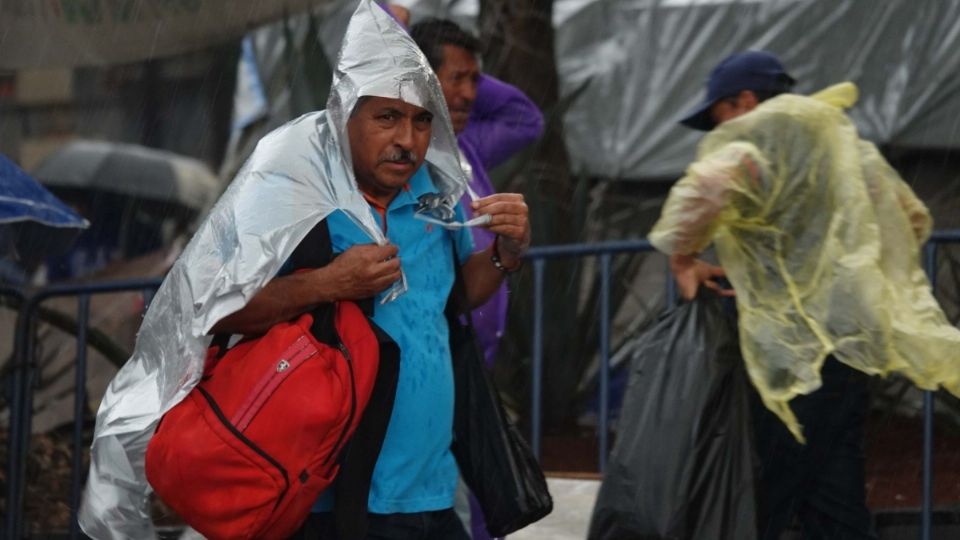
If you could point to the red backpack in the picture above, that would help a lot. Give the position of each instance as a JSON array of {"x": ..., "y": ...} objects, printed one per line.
[{"x": 248, "y": 451}]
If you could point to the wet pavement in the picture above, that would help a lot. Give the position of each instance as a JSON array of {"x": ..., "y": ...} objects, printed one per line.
[{"x": 572, "y": 504}]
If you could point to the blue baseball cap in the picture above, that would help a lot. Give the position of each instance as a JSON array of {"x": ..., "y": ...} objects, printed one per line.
[{"x": 758, "y": 71}]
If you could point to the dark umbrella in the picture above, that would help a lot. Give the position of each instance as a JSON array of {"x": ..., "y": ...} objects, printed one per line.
[
  {"x": 33, "y": 223},
  {"x": 138, "y": 198},
  {"x": 131, "y": 170}
]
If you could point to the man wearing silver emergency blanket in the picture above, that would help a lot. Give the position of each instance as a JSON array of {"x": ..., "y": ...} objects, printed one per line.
[{"x": 357, "y": 165}]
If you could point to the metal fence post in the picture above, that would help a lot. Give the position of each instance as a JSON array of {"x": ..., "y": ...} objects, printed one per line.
[
  {"x": 15, "y": 465},
  {"x": 79, "y": 408},
  {"x": 21, "y": 408},
  {"x": 671, "y": 298},
  {"x": 148, "y": 295},
  {"x": 604, "y": 405},
  {"x": 926, "y": 510},
  {"x": 537, "y": 367}
]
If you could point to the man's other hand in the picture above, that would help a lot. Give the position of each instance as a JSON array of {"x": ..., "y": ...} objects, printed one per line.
[
  {"x": 691, "y": 272},
  {"x": 508, "y": 218},
  {"x": 364, "y": 270}
]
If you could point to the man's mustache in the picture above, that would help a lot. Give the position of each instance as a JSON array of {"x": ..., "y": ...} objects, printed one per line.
[{"x": 399, "y": 155}]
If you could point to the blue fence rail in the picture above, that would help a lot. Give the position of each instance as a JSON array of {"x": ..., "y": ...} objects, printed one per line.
[
  {"x": 538, "y": 256},
  {"x": 22, "y": 369},
  {"x": 21, "y": 384}
]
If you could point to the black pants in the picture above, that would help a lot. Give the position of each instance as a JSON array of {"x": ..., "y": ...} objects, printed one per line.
[
  {"x": 820, "y": 483},
  {"x": 439, "y": 525}
]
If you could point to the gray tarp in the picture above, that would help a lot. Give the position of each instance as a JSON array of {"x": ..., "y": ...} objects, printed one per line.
[
  {"x": 648, "y": 60},
  {"x": 652, "y": 56},
  {"x": 35, "y": 33}
]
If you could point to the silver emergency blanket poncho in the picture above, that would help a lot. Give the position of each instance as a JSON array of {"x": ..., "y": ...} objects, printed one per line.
[
  {"x": 821, "y": 239},
  {"x": 297, "y": 175}
]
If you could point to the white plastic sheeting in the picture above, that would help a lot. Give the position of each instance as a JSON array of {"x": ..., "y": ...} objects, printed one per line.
[
  {"x": 657, "y": 55},
  {"x": 647, "y": 61}
]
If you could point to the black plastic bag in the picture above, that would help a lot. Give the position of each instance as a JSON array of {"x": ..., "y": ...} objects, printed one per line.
[
  {"x": 682, "y": 465},
  {"x": 496, "y": 463}
]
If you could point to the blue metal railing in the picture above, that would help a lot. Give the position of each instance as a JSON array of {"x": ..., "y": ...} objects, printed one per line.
[
  {"x": 539, "y": 256},
  {"x": 605, "y": 251},
  {"x": 22, "y": 369},
  {"x": 926, "y": 511},
  {"x": 21, "y": 394},
  {"x": 10, "y": 395}
]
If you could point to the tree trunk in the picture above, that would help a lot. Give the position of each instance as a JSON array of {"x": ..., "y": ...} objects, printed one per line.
[{"x": 519, "y": 49}]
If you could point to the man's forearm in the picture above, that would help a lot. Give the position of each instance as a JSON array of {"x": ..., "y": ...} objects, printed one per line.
[
  {"x": 685, "y": 224},
  {"x": 697, "y": 201},
  {"x": 282, "y": 299},
  {"x": 362, "y": 271},
  {"x": 481, "y": 278}
]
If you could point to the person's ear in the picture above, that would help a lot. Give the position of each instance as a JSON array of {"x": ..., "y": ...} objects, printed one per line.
[{"x": 748, "y": 100}]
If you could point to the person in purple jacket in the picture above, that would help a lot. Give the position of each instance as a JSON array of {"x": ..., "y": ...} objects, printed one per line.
[{"x": 493, "y": 121}]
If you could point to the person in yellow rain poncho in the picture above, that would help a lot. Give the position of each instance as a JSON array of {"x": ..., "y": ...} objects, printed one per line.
[{"x": 820, "y": 239}]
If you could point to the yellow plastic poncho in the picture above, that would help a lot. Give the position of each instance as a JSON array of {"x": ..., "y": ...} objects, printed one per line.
[{"x": 821, "y": 238}]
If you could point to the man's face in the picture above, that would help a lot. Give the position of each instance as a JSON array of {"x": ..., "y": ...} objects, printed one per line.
[
  {"x": 732, "y": 107},
  {"x": 388, "y": 142},
  {"x": 458, "y": 74}
]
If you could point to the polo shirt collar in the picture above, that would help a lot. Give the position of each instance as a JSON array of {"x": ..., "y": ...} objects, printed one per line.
[{"x": 419, "y": 184}]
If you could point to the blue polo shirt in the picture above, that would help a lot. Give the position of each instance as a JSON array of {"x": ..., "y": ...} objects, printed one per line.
[{"x": 416, "y": 471}]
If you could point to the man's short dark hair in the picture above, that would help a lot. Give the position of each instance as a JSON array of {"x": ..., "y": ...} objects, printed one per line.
[{"x": 432, "y": 34}]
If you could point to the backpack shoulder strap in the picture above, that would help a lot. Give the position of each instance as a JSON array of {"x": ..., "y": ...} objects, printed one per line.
[{"x": 315, "y": 250}]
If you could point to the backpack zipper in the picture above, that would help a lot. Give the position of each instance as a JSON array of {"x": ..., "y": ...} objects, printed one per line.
[
  {"x": 353, "y": 404},
  {"x": 236, "y": 433},
  {"x": 291, "y": 359}
]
